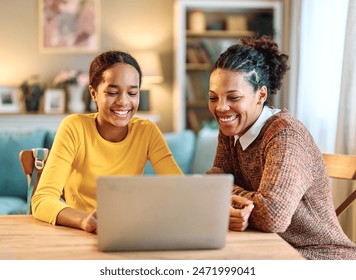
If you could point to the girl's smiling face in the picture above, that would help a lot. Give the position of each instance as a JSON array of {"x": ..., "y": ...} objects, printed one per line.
[{"x": 117, "y": 98}]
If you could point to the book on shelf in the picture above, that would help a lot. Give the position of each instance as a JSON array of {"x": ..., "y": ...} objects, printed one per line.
[
  {"x": 203, "y": 53},
  {"x": 189, "y": 88},
  {"x": 196, "y": 53},
  {"x": 193, "y": 120},
  {"x": 192, "y": 55},
  {"x": 197, "y": 85},
  {"x": 206, "y": 51},
  {"x": 209, "y": 50},
  {"x": 214, "y": 47}
]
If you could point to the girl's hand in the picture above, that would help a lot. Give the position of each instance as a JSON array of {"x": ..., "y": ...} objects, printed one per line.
[{"x": 89, "y": 223}]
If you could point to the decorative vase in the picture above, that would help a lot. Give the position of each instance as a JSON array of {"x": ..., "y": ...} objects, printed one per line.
[
  {"x": 32, "y": 92},
  {"x": 76, "y": 103},
  {"x": 197, "y": 21}
]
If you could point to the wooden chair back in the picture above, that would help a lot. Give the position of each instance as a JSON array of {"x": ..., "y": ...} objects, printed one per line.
[
  {"x": 27, "y": 162},
  {"x": 342, "y": 167}
]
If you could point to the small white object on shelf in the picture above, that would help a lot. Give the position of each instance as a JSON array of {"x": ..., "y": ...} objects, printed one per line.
[{"x": 75, "y": 99}]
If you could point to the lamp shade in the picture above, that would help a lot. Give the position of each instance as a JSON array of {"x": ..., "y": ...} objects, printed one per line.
[{"x": 150, "y": 64}]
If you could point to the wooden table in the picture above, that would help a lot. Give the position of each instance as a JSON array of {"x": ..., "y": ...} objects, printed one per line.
[{"x": 22, "y": 237}]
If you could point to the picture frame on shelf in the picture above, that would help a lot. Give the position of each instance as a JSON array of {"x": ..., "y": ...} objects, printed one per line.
[
  {"x": 70, "y": 26},
  {"x": 54, "y": 101},
  {"x": 9, "y": 99}
]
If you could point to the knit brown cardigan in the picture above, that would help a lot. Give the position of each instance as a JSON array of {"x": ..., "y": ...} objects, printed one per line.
[{"x": 284, "y": 174}]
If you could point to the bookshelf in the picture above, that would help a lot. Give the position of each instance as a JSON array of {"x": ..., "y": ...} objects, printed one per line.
[{"x": 204, "y": 29}]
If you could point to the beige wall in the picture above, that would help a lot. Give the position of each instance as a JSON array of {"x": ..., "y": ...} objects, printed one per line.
[{"x": 125, "y": 25}]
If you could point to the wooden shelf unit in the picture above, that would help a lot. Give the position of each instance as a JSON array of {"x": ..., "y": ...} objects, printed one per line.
[
  {"x": 220, "y": 34},
  {"x": 191, "y": 81}
]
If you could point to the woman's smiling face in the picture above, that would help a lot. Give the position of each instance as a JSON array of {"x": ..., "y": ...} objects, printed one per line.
[{"x": 233, "y": 102}]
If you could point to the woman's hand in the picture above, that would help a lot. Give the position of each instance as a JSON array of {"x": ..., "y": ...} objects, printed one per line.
[
  {"x": 215, "y": 170},
  {"x": 239, "y": 217},
  {"x": 240, "y": 214},
  {"x": 89, "y": 223}
]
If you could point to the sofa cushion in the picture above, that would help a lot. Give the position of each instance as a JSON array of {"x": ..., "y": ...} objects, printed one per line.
[
  {"x": 49, "y": 138},
  {"x": 182, "y": 146},
  {"x": 13, "y": 181},
  {"x": 12, "y": 205},
  {"x": 205, "y": 150}
]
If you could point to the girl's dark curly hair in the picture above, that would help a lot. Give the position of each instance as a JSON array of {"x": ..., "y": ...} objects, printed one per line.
[
  {"x": 259, "y": 59},
  {"x": 106, "y": 60}
]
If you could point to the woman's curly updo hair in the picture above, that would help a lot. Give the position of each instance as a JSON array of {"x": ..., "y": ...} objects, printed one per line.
[
  {"x": 259, "y": 59},
  {"x": 106, "y": 60}
]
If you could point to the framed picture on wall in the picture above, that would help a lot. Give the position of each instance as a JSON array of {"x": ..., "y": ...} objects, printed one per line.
[
  {"x": 9, "y": 100},
  {"x": 54, "y": 101},
  {"x": 70, "y": 26}
]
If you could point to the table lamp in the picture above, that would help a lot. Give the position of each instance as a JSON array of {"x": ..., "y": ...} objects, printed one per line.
[{"x": 150, "y": 64}]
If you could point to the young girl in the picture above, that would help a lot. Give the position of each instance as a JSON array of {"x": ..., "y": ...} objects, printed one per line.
[{"x": 109, "y": 142}]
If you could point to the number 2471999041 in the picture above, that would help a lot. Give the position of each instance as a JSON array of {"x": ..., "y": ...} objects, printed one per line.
[{"x": 221, "y": 270}]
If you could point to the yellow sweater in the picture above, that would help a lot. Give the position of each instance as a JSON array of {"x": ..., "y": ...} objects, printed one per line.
[{"x": 79, "y": 154}]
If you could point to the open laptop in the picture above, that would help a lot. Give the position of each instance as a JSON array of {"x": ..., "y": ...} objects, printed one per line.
[{"x": 163, "y": 212}]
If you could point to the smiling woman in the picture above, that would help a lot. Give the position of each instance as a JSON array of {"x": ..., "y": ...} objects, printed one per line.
[
  {"x": 273, "y": 157},
  {"x": 111, "y": 141},
  {"x": 229, "y": 89}
]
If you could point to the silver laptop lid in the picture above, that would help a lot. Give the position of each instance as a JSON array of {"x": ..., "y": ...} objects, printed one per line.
[{"x": 163, "y": 212}]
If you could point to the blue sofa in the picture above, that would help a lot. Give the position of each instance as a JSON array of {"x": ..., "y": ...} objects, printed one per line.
[{"x": 194, "y": 153}]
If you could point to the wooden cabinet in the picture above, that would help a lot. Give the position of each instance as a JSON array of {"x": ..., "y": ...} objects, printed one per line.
[{"x": 204, "y": 29}]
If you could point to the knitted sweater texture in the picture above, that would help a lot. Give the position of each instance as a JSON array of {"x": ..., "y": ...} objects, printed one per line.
[{"x": 283, "y": 172}]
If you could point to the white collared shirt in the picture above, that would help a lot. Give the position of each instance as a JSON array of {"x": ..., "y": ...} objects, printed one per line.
[{"x": 252, "y": 133}]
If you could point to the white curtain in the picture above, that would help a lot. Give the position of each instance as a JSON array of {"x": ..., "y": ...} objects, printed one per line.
[
  {"x": 326, "y": 88},
  {"x": 346, "y": 131},
  {"x": 322, "y": 34}
]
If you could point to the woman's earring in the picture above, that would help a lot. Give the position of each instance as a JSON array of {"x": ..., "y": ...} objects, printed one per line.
[{"x": 259, "y": 102}]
